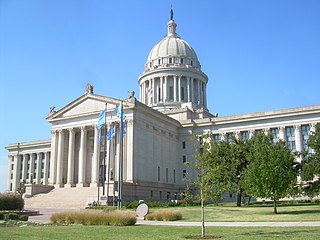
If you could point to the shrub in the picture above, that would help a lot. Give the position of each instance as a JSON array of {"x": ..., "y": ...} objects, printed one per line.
[
  {"x": 164, "y": 215},
  {"x": 1, "y": 216},
  {"x": 11, "y": 201},
  {"x": 11, "y": 216},
  {"x": 23, "y": 218},
  {"x": 151, "y": 204},
  {"x": 113, "y": 218}
]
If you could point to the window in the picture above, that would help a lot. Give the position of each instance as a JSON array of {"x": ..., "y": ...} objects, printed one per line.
[
  {"x": 229, "y": 137},
  {"x": 159, "y": 61},
  {"x": 182, "y": 93},
  {"x": 12, "y": 167},
  {"x": 183, "y": 145},
  {"x": 158, "y": 173},
  {"x": 290, "y": 138},
  {"x": 305, "y": 132},
  {"x": 167, "y": 175},
  {"x": 191, "y": 63},
  {"x": 170, "y": 93},
  {"x": 258, "y": 131},
  {"x": 181, "y": 60},
  {"x": 11, "y": 177},
  {"x": 151, "y": 194},
  {"x": 168, "y": 195},
  {"x": 245, "y": 135},
  {"x": 275, "y": 134},
  {"x": 170, "y": 60},
  {"x": 160, "y": 194},
  {"x": 174, "y": 175},
  {"x": 216, "y": 138},
  {"x": 184, "y": 173},
  {"x": 184, "y": 159}
]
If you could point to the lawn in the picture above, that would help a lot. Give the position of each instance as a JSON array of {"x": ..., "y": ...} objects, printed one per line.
[
  {"x": 79, "y": 232},
  {"x": 286, "y": 213}
]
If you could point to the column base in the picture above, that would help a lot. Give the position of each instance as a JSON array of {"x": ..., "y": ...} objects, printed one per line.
[
  {"x": 69, "y": 185},
  {"x": 94, "y": 184},
  {"x": 58, "y": 185},
  {"x": 82, "y": 185}
]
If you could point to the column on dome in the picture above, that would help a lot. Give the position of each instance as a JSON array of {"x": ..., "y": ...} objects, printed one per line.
[
  {"x": 60, "y": 156},
  {"x": 205, "y": 96},
  {"x": 153, "y": 92},
  {"x": 53, "y": 164},
  {"x": 179, "y": 88},
  {"x": 140, "y": 92},
  {"x": 165, "y": 89},
  {"x": 188, "y": 88},
  {"x": 192, "y": 91},
  {"x": 199, "y": 90},
  {"x": 161, "y": 89},
  {"x": 95, "y": 165},
  {"x": 31, "y": 169},
  {"x": 46, "y": 168},
  {"x": 82, "y": 157},
  {"x": 298, "y": 140},
  {"x": 71, "y": 149},
  {"x": 174, "y": 88},
  {"x": 143, "y": 92},
  {"x": 38, "y": 169},
  {"x": 16, "y": 164}
]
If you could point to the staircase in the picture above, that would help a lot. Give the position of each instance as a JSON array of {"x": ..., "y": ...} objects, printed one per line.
[{"x": 63, "y": 198}]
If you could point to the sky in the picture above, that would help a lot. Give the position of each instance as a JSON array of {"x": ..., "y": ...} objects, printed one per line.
[{"x": 258, "y": 55}]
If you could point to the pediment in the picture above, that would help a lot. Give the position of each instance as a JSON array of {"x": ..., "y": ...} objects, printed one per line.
[{"x": 85, "y": 105}]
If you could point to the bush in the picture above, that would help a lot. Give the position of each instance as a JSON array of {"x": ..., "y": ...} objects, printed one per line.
[
  {"x": 164, "y": 215},
  {"x": 23, "y": 218},
  {"x": 151, "y": 204},
  {"x": 1, "y": 216},
  {"x": 11, "y": 201},
  {"x": 11, "y": 216},
  {"x": 113, "y": 218}
]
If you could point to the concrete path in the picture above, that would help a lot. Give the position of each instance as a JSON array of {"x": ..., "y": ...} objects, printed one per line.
[{"x": 45, "y": 214}]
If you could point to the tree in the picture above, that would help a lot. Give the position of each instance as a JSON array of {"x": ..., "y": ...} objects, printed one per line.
[
  {"x": 311, "y": 165},
  {"x": 271, "y": 172}
]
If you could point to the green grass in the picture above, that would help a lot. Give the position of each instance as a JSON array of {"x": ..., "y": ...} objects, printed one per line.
[
  {"x": 79, "y": 232},
  {"x": 286, "y": 213}
]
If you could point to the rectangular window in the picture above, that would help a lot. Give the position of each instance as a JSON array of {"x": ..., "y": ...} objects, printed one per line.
[
  {"x": 245, "y": 135},
  {"x": 159, "y": 61},
  {"x": 170, "y": 60},
  {"x": 258, "y": 131},
  {"x": 182, "y": 93},
  {"x": 151, "y": 194},
  {"x": 229, "y": 137},
  {"x": 12, "y": 167},
  {"x": 170, "y": 93},
  {"x": 290, "y": 138},
  {"x": 184, "y": 173},
  {"x": 181, "y": 60},
  {"x": 174, "y": 176},
  {"x": 160, "y": 194},
  {"x": 305, "y": 132},
  {"x": 167, "y": 175},
  {"x": 216, "y": 138},
  {"x": 275, "y": 134},
  {"x": 183, "y": 145},
  {"x": 168, "y": 195},
  {"x": 184, "y": 159},
  {"x": 158, "y": 173}
]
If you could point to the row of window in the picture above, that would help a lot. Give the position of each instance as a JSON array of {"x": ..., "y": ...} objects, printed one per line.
[
  {"x": 161, "y": 195},
  {"x": 170, "y": 60}
]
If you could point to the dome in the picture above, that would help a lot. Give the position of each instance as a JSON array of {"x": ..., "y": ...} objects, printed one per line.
[{"x": 172, "y": 51}]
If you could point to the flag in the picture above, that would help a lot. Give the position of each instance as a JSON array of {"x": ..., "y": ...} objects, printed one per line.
[
  {"x": 118, "y": 111},
  {"x": 111, "y": 132},
  {"x": 101, "y": 119}
]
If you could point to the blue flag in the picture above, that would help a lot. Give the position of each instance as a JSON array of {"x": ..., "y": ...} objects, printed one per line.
[
  {"x": 118, "y": 112},
  {"x": 101, "y": 119},
  {"x": 111, "y": 132}
]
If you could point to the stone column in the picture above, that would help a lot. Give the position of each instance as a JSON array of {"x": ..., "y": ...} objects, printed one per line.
[
  {"x": 95, "y": 165},
  {"x": 140, "y": 92},
  {"x": 53, "y": 164},
  {"x": 165, "y": 90},
  {"x": 24, "y": 167},
  {"x": 143, "y": 92},
  {"x": 179, "y": 88},
  {"x": 16, "y": 172},
  {"x": 188, "y": 88},
  {"x": 282, "y": 130},
  {"x": 59, "y": 182},
  {"x": 82, "y": 157},
  {"x": 205, "y": 95},
  {"x": 199, "y": 98},
  {"x": 38, "y": 170},
  {"x": 223, "y": 137},
  {"x": 46, "y": 168},
  {"x": 9, "y": 172},
  {"x": 31, "y": 170},
  {"x": 312, "y": 131},
  {"x": 71, "y": 149},
  {"x": 154, "y": 100},
  {"x": 298, "y": 140},
  {"x": 192, "y": 91},
  {"x": 161, "y": 89},
  {"x": 174, "y": 88}
]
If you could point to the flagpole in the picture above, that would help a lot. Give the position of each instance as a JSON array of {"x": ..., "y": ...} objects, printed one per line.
[
  {"x": 104, "y": 152},
  {"x": 121, "y": 158},
  {"x": 109, "y": 151}
]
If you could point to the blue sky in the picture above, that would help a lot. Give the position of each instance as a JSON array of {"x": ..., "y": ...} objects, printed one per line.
[{"x": 259, "y": 55}]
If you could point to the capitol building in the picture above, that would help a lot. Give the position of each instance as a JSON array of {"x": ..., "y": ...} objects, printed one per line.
[{"x": 159, "y": 122}]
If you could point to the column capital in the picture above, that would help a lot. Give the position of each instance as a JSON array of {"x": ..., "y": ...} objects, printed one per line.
[
  {"x": 297, "y": 127},
  {"x": 53, "y": 132},
  {"x": 71, "y": 130}
]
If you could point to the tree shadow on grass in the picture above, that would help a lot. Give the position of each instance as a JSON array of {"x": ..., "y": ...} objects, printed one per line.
[
  {"x": 300, "y": 212},
  {"x": 278, "y": 234}
]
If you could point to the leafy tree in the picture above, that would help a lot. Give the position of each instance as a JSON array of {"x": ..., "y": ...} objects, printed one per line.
[
  {"x": 271, "y": 171},
  {"x": 311, "y": 166}
]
